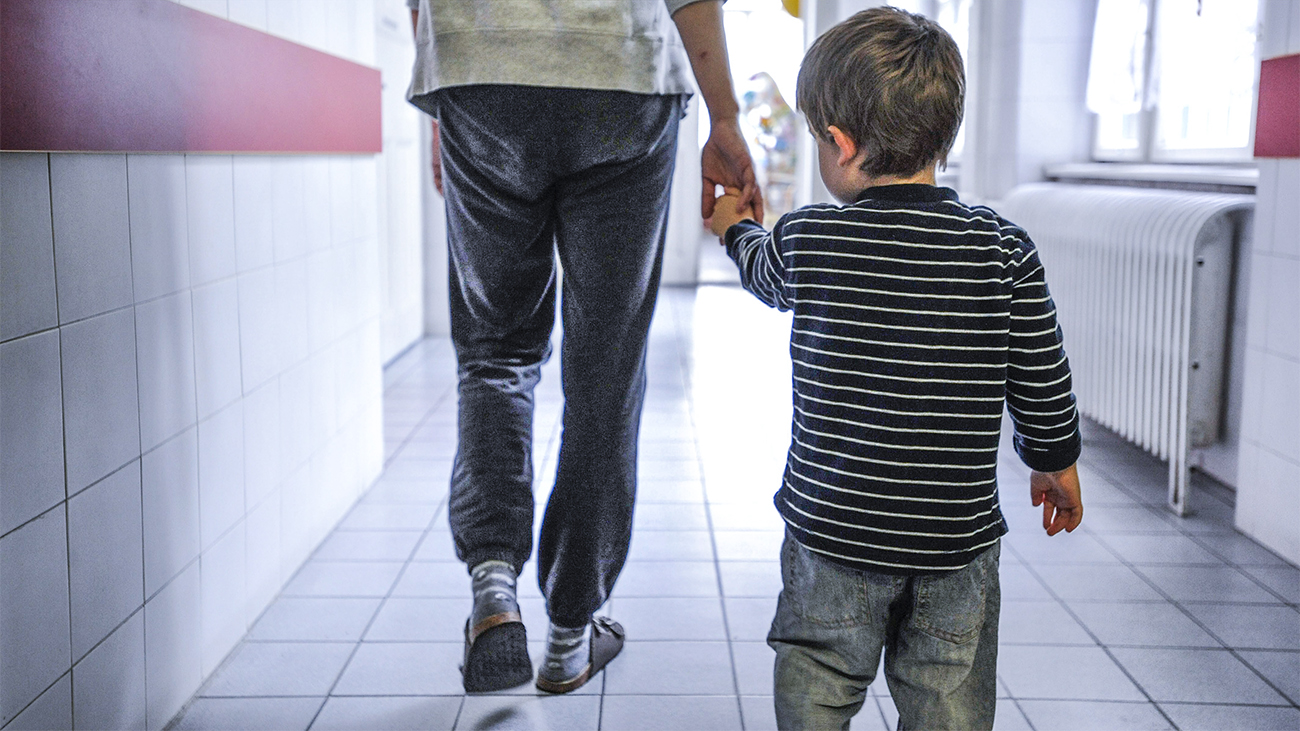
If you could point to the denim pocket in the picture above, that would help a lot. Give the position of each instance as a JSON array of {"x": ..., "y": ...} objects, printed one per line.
[
  {"x": 951, "y": 606},
  {"x": 820, "y": 592}
]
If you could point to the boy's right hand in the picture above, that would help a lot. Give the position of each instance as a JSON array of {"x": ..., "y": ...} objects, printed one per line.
[
  {"x": 727, "y": 212},
  {"x": 1057, "y": 491}
]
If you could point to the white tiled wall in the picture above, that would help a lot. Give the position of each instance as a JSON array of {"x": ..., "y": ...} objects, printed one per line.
[
  {"x": 1268, "y": 493},
  {"x": 190, "y": 394},
  {"x": 1027, "y": 80}
]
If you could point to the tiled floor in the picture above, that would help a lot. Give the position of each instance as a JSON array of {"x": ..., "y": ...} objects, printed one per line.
[{"x": 1136, "y": 621}]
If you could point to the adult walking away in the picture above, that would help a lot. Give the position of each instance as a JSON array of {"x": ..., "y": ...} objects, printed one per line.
[{"x": 557, "y": 127}]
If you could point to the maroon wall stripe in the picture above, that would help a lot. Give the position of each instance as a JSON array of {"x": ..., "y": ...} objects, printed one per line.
[
  {"x": 1277, "y": 122},
  {"x": 154, "y": 76}
]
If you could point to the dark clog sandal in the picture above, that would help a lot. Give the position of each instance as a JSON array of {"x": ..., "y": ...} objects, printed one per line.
[
  {"x": 606, "y": 642},
  {"x": 496, "y": 653}
]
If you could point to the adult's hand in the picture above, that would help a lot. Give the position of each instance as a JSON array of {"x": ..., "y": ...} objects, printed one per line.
[{"x": 725, "y": 161}]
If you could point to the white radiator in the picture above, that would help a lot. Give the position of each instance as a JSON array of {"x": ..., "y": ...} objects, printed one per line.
[{"x": 1142, "y": 281}]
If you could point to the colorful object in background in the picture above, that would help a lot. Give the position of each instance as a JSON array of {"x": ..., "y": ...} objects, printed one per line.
[
  {"x": 791, "y": 7},
  {"x": 1277, "y": 125},
  {"x": 773, "y": 128}
]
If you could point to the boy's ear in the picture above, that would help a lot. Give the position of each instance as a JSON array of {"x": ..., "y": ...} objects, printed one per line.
[{"x": 848, "y": 148}]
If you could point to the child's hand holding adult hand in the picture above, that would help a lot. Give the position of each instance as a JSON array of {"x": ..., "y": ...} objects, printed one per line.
[
  {"x": 727, "y": 212},
  {"x": 1059, "y": 492}
]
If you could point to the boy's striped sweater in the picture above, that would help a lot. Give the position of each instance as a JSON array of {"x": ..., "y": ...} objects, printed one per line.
[{"x": 915, "y": 319}]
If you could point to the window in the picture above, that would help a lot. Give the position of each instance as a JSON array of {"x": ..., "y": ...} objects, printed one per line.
[{"x": 1173, "y": 80}]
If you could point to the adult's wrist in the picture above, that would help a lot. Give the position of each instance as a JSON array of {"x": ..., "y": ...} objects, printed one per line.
[{"x": 725, "y": 116}]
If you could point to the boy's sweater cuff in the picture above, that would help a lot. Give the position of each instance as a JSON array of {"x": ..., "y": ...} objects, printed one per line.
[
  {"x": 1050, "y": 460},
  {"x": 736, "y": 230}
]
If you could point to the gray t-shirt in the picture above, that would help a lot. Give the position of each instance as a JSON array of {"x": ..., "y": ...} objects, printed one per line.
[{"x": 620, "y": 45}]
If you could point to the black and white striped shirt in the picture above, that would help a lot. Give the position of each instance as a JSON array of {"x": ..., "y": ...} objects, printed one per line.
[{"x": 915, "y": 318}]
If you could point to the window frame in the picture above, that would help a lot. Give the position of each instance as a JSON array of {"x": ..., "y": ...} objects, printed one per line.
[{"x": 1147, "y": 150}]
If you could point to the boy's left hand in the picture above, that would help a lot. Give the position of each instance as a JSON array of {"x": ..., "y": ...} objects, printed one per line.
[
  {"x": 727, "y": 212},
  {"x": 1059, "y": 494}
]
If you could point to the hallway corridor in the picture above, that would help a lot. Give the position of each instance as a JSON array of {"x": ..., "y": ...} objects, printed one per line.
[{"x": 1136, "y": 621}]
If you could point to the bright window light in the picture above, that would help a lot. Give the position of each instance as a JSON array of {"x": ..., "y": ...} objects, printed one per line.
[
  {"x": 954, "y": 17},
  {"x": 1206, "y": 73},
  {"x": 1194, "y": 101},
  {"x": 1117, "y": 72}
]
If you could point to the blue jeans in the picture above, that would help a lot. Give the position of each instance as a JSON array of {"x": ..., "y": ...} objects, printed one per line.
[
  {"x": 532, "y": 174},
  {"x": 939, "y": 634}
]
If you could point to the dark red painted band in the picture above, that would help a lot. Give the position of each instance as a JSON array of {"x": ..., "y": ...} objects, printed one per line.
[
  {"x": 154, "y": 76},
  {"x": 1277, "y": 123}
]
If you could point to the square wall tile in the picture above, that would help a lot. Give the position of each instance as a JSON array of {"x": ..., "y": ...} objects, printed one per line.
[
  {"x": 288, "y": 212},
  {"x": 164, "y": 335},
  {"x": 325, "y": 387},
  {"x": 261, "y": 442},
  {"x": 259, "y": 349},
  {"x": 1293, "y": 46},
  {"x": 291, "y": 306},
  {"x": 263, "y": 576},
  {"x": 221, "y": 472},
  {"x": 253, "y": 212},
  {"x": 296, "y": 537},
  {"x": 172, "y": 647},
  {"x": 105, "y": 549},
  {"x": 101, "y": 410},
  {"x": 1286, "y": 215},
  {"x": 1281, "y": 414},
  {"x": 365, "y": 188},
  {"x": 33, "y": 611},
  {"x": 222, "y": 585},
  {"x": 210, "y": 203},
  {"x": 1283, "y": 335},
  {"x": 251, "y": 13},
  {"x": 31, "y": 428},
  {"x": 92, "y": 239},
  {"x": 322, "y": 316},
  {"x": 217, "y": 376},
  {"x": 160, "y": 256},
  {"x": 295, "y": 418},
  {"x": 52, "y": 710},
  {"x": 170, "y": 488},
  {"x": 316, "y": 202},
  {"x": 28, "y": 299},
  {"x": 110, "y": 681},
  {"x": 1257, "y": 280}
]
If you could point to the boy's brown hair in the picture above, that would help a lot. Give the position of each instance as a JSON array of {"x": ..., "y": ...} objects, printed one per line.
[{"x": 892, "y": 81}]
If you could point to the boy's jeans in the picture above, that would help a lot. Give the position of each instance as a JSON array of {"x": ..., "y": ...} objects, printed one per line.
[
  {"x": 532, "y": 174},
  {"x": 939, "y": 634}
]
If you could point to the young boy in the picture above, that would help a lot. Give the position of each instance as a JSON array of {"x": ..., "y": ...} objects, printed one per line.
[{"x": 916, "y": 318}]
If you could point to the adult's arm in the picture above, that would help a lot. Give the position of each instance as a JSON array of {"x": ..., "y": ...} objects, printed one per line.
[
  {"x": 725, "y": 160},
  {"x": 435, "y": 151}
]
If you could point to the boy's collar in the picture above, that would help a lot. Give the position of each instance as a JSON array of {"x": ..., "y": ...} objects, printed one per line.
[{"x": 908, "y": 193}]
